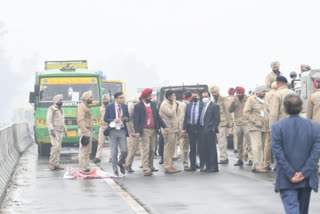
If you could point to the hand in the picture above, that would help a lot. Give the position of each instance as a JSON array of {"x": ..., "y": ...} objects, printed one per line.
[
  {"x": 52, "y": 132},
  {"x": 174, "y": 100},
  {"x": 124, "y": 118},
  {"x": 184, "y": 133},
  {"x": 133, "y": 134},
  {"x": 166, "y": 129},
  {"x": 66, "y": 134},
  {"x": 297, "y": 178},
  {"x": 137, "y": 135},
  {"x": 235, "y": 99},
  {"x": 116, "y": 120}
]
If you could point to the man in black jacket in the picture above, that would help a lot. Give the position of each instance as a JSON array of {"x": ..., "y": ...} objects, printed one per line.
[
  {"x": 191, "y": 126},
  {"x": 147, "y": 123},
  {"x": 209, "y": 123}
]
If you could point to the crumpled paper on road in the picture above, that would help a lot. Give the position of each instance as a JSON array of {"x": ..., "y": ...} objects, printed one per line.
[{"x": 73, "y": 173}]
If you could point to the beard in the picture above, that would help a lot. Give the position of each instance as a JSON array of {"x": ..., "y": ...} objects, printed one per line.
[
  {"x": 147, "y": 100},
  {"x": 89, "y": 101}
]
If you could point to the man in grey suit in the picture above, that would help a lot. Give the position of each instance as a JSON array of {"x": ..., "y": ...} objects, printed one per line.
[{"x": 296, "y": 147}]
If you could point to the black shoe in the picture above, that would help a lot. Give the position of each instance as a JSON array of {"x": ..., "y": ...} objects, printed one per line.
[
  {"x": 197, "y": 166},
  {"x": 129, "y": 169},
  {"x": 212, "y": 170},
  {"x": 269, "y": 168},
  {"x": 190, "y": 169},
  {"x": 87, "y": 170},
  {"x": 161, "y": 161},
  {"x": 224, "y": 161},
  {"x": 96, "y": 160},
  {"x": 235, "y": 151},
  {"x": 122, "y": 169},
  {"x": 116, "y": 173},
  {"x": 249, "y": 163},
  {"x": 239, "y": 163},
  {"x": 154, "y": 170}
]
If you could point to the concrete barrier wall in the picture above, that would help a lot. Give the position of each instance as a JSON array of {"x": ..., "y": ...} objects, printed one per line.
[{"x": 14, "y": 140}]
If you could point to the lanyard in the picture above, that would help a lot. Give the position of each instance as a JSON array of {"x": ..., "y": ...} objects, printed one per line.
[{"x": 119, "y": 109}]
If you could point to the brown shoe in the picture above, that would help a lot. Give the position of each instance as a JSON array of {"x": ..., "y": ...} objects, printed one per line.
[
  {"x": 259, "y": 170},
  {"x": 59, "y": 168},
  {"x": 147, "y": 174},
  {"x": 171, "y": 171},
  {"x": 51, "y": 167}
]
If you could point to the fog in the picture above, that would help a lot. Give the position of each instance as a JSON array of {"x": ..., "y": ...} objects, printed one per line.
[{"x": 150, "y": 43}]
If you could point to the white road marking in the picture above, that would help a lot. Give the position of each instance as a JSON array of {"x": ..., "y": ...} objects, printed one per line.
[{"x": 134, "y": 204}]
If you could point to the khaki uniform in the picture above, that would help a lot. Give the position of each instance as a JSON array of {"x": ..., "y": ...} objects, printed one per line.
[
  {"x": 183, "y": 140},
  {"x": 132, "y": 142},
  {"x": 242, "y": 128},
  {"x": 313, "y": 109},
  {"x": 271, "y": 77},
  {"x": 56, "y": 122},
  {"x": 276, "y": 107},
  {"x": 103, "y": 126},
  {"x": 169, "y": 114},
  {"x": 230, "y": 99},
  {"x": 267, "y": 142},
  {"x": 225, "y": 124},
  {"x": 254, "y": 113},
  {"x": 85, "y": 123}
]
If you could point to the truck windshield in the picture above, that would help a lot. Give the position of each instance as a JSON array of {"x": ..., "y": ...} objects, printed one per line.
[
  {"x": 71, "y": 88},
  {"x": 111, "y": 87}
]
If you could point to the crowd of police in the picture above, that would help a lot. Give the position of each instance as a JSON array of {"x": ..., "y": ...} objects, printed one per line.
[{"x": 193, "y": 125}]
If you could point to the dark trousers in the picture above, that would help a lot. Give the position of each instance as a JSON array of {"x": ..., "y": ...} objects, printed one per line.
[
  {"x": 208, "y": 149},
  {"x": 296, "y": 201},
  {"x": 193, "y": 133},
  {"x": 161, "y": 145},
  {"x": 118, "y": 138}
]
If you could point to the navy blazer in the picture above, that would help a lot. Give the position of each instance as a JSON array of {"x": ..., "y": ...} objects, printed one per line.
[
  {"x": 139, "y": 115},
  {"x": 110, "y": 114},
  {"x": 188, "y": 113},
  {"x": 296, "y": 147},
  {"x": 212, "y": 118}
]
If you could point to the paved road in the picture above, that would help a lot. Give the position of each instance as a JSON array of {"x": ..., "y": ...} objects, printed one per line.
[{"x": 233, "y": 190}]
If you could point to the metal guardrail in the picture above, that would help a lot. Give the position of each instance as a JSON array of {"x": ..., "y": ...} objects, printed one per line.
[{"x": 14, "y": 140}]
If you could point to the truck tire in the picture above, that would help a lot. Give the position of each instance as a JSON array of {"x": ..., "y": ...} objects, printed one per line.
[{"x": 44, "y": 149}]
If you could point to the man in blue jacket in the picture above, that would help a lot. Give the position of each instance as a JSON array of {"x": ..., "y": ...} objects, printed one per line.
[
  {"x": 296, "y": 147},
  {"x": 116, "y": 116}
]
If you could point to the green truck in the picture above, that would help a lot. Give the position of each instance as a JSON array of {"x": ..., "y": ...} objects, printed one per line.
[{"x": 72, "y": 79}]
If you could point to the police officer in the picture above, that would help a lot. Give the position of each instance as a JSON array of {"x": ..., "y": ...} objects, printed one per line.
[
  {"x": 271, "y": 77},
  {"x": 254, "y": 113},
  {"x": 277, "y": 111},
  {"x": 56, "y": 126},
  {"x": 225, "y": 123},
  {"x": 103, "y": 126},
  {"x": 85, "y": 123}
]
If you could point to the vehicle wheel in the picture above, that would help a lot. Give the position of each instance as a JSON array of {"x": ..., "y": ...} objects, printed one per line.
[{"x": 44, "y": 149}]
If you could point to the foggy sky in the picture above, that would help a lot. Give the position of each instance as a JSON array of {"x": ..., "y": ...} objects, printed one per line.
[{"x": 226, "y": 43}]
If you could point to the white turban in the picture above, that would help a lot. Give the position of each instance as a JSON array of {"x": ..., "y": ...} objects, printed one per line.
[
  {"x": 86, "y": 95},
  {"x": 57, "y": 98},
  {"x": 275, "y": 63},
  {"x": 259, "y": 89},
  {"x": 106, "y": 96},
  {"x": 135, "y": 99}
]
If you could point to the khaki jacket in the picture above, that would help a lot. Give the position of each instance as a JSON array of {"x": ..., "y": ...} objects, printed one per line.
[
  {"x": 102, "y": 111},
  {"x": 84, "y": 118},
  {"x": 130, "y": 125},
  {"x": 271, "y": 77},
  {"x": 313, "y": 109},
  {"x": 181, "y": 113},
  {"x": 254, "y": 113},
  {"x": 277, "y": 111},
  {"x": 225, "y": 115},
  {"x": 55, "y": 119},
  {"x": 169, "y": 114},
  {"x": 266, "y": 107},
  {"x": 237, "y": 107}
]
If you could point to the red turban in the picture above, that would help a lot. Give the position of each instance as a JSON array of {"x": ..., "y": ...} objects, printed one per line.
[
  {"x": 231, "y": 91},
  {"x": 146, "y": 92},
  {"x": 316, "y": 83},
  {"x": 240, "y": 89}
]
